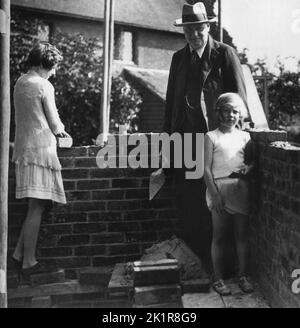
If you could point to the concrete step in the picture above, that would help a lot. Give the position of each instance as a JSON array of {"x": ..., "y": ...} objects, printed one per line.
[
  {"x": 54, "y": 293},
  {"x": 158, "y": 294}
]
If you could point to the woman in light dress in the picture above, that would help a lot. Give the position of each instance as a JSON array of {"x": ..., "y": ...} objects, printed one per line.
[{"x": 37, "y": 168}]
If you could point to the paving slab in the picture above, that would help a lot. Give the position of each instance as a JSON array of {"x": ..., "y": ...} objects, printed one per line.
[
  {"x": 238, "y": 299},
  {"x": 201, "y": 300}
]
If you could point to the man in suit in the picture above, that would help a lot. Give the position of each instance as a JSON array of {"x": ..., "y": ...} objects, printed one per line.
[{"x": 199, "y": 73}]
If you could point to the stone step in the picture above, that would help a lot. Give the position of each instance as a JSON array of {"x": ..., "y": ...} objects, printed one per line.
[
  {"x": 71, "y": 287},
  {"x": 164, "y": 262},
  {"x": 95, "y": 304},
  {"x": 13, "y": 279},
  {"x": 196, "y": 286},
  {"x": 155, "y": 275},
  {"x": 47, "y": 278},
  {"x": 153, "y": 295},
  {"x": 121, "y": 285}
]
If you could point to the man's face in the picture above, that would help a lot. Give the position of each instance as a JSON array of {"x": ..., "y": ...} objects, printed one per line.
[{"x": 196, "y": 34}]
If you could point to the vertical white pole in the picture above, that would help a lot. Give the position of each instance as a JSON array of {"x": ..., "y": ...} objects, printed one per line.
[
  {"x": 4, "y": 141},
  {"x": 103, "y": 110},
  {"x": 220, "y": 20}
]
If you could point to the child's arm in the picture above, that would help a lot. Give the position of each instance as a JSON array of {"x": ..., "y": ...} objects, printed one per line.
[{"x": 208, "y": 157}]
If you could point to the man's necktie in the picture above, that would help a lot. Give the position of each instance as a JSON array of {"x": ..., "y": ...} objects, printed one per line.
[{"x": 194, "y": 57}]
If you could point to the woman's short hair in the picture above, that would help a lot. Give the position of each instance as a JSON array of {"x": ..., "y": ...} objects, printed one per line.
[
  {"x": 45, "y": 55},
  {"x": 231, "y": 98}
]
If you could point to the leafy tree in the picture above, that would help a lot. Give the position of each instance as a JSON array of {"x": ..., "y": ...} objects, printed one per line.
[{"x": 78, "y": 81}]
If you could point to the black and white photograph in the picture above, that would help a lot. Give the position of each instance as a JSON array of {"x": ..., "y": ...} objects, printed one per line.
[{"x": 150, "y": 157}]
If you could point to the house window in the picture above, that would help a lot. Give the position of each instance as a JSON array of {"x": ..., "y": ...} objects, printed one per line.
[
  {"x": 127, "y": 46},
  {"x": 124, "y": 45}
]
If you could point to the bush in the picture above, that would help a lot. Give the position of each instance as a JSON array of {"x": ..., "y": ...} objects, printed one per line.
[
  {"x": 78, "y": 81},
  {"x": 284, "y": 97}
]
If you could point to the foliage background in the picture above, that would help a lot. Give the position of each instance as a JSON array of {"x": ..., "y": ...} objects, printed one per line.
[{"x": 78, "y": 81}]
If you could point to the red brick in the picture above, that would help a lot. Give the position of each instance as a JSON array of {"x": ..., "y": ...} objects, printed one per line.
[
  {"x": 78, "y": 195},
  {"x": 137, "y": 194},
  {"x": 123, "y": 205},
  {"x": 107, "y": 238},
  {"x": 106, "y": 173},
  {"x": 89, "y": 162},
  {"x": 54, "y": 251},
  {"x": 107, "y": 260},
  {"x": 140, "y": 214},
  {"x": 70, "y": 217},
  {"x": 156, "y": 225},
  {"x": 123, "y": 226},
  {"x": 75, "y": 174},
  {"x": 67, "y": 162},
  {"x": 105, "y": 216},
  {"x": 73, "y": 262},
  {"x": 93, "y": 185},
  {"x": 93, "y": 150},
  {"x": 141, "y": 236},
  {"x": 122, "y": 249},
  {"x": 68, "y": 240},
  {"x": 126, "y": 183},
  {"x": 57, "y": 229},
  {"x": 89, "y": 250},
  {"x": 88, "y": 206},
  {"x": 72, "y": 152},
  {"x": 89, "y": 227},
  {"x": 108, "y": 194},
  {"x": 69, "y": 185}
]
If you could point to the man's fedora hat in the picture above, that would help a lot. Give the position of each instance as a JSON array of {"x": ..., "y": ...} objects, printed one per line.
[{"x": 193, "y": 14}]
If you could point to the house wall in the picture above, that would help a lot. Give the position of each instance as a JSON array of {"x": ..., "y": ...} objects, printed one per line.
[{"x": 153, "y": 49}]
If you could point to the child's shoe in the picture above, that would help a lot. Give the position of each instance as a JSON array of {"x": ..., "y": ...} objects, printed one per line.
[
  {"x": 245, "y": 285},
  {"x": 220, "y": 287}
]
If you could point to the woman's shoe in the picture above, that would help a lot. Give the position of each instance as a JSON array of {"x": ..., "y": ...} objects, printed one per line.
[
  {"x": 220, "y": 287},
  {"x": 38, "y": 268},
  {"x": 245, "y": 285}
]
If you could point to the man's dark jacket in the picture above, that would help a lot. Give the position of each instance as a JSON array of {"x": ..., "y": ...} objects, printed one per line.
[{"x": 221, "y": 72}]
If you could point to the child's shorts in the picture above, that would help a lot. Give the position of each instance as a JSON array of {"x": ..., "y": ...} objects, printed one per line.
[{"x": 235, "y": 195}]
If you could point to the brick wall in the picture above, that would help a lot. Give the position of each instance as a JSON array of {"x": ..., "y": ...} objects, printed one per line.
[
  {"x": 108, "y": 217},
  {"x": 275, "y": 226}
]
